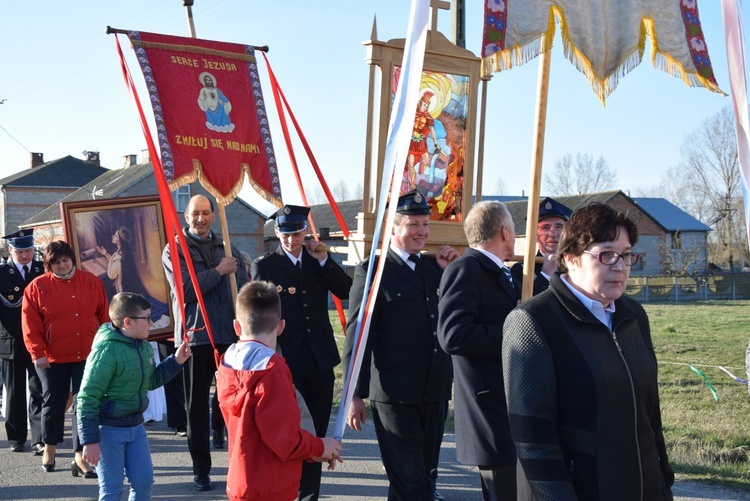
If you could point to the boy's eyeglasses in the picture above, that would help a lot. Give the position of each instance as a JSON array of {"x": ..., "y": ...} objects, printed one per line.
[
  {"x": 610, "y": 257},
  {"x": 142, "y": 318}
]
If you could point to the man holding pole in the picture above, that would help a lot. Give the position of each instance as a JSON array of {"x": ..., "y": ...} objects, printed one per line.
[
  {"x": 552, "y": 217},
  {"x": 213, "y": 270},
  {"x": 404, "y": 373},
  {"x": 303, "y": 275}
]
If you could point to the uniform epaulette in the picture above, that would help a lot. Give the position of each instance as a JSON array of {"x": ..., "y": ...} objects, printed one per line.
[{"x": 261, "y": 258}]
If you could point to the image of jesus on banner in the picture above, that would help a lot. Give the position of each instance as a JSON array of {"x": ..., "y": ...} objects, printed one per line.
[{"x": 216, "y": 105}]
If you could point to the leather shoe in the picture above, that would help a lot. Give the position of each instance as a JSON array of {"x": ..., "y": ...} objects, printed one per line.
[
  {"x": 202, "y": 483},
  {"x": 181, "y": 431},
  {"x": 437, "y": 496},
  {"x": 76, "y": 470},
  {"x": 18, "y": 446},
  {"x": 38, "y": 449},
  {"x": 219, "y": 439},
  {"x": 49, "y": 468}
]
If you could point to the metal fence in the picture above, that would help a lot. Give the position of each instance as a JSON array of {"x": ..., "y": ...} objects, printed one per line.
[{"x": 727, "y": 286}]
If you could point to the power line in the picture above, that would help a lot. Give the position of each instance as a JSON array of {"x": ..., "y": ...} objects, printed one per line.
[{"x": 14, "y": 139}]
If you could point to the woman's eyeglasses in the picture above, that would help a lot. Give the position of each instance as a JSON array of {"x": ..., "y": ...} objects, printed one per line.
[{"x": 610, "y": 257}]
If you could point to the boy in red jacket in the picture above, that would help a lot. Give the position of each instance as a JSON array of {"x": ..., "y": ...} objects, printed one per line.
[{"x": 258, "y": 402}]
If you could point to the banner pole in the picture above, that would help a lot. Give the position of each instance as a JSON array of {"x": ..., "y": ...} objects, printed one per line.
[
  {"x": 535, "y": 183},
  {"x": 219, "y": 207}
]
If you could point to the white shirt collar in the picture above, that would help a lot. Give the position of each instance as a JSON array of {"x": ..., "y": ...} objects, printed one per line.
[
  {"x": 604, "y": 315},
  {"x": 493, "y": 257},
  {"x": 294, "y": 259},
  {"x": 404, "y": 256}
]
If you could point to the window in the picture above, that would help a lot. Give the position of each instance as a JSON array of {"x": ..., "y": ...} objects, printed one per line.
[{"x": 181, "y": 197}]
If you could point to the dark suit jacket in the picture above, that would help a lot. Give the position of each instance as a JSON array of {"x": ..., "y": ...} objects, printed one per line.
[
  {"x": 541, "y": 284},
  {"x": 11, "y": 294},
  {"x": 307, "y": 342},
  {"x": 476, "y": 298},
  {"x": 403, "y": 361}
]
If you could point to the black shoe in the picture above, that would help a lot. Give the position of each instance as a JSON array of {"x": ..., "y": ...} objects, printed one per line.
[
  {"x": 76, "y": 470},
  {"x": 18, "y": 446},
  {"x": 437, "y": 496},
  {"x": 49, "y": 468},
  {"x": 219, "y": 439},
  {"x": 181, "y": 431},
  {"x": 202, "y": 483},
  {"x": 38, "y": 449}
]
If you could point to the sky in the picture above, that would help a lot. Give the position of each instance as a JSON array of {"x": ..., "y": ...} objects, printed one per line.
[{"x": 64, "y": 94}]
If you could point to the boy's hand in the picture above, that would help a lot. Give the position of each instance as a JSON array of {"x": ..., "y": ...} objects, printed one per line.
[
  {"x": 183, "y": 353},
  {"x": 332, "y": 448},
  {"x": 332, "y": 462},
  {"x": 91, "y": 454}
]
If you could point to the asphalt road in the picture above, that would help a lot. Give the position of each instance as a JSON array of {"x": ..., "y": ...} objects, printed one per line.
[{"x": 360, "y": 477}]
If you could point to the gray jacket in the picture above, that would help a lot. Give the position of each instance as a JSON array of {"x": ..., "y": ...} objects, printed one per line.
[{"x": 217, "y": 294}]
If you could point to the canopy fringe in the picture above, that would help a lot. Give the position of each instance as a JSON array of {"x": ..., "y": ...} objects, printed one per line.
[{"x": 602, "y": 87}]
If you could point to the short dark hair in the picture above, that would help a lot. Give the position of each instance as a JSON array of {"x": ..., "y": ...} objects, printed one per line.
[
  {"x": 127, "y": 304},
  {"x": 56, "y": 251},
  {"x": 258, "y": 307},
  {"x": 594, "y": 223}
]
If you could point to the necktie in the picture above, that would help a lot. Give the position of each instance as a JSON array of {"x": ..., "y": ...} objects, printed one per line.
[
  {"x": 418, "y": 269},
  {"x": 26, "y": 273},
  {"x": 507, "y": 274}
]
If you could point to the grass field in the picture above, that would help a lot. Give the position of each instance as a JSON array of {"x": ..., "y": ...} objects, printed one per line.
[{"x": 707, "y": 440}]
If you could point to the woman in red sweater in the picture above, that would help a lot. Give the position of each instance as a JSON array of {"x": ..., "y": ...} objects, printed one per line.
[{"x": 62, "y": 310}]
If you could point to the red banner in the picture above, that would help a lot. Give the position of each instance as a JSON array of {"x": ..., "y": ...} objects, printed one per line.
[{"x": 210, "y": 114}]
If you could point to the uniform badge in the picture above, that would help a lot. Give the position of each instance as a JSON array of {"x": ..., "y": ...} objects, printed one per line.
[
  {"x": 16, "y": 288},
  {"x": 10, "y": 297},
  {"x": 292, "y": 290},
  {"x": 287, "y": 210},
  {"x": 12, "y": 271},
  {"x": 279, "y": 289},
  {"x": 418, "y": 198},
  {"x": 548, "y": 205}
]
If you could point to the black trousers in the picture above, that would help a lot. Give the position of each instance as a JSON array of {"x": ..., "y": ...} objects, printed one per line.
[
  {"x": 15, "y": 374},
  {"x": 498, "y": 482},
  {"x": 407, "y": 435},
  {"x": 57, "y": 381},
  {"x": 198, "y": 374},
  {"x": 317, "y": 390},
  {"x": 174, "y": 391}
]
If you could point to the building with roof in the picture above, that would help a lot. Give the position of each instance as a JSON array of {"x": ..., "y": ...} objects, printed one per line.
[
  {"x": 30, "y": 191},
  {"x": 245, "y": 223},
  {"x": 670, "y": 240}
]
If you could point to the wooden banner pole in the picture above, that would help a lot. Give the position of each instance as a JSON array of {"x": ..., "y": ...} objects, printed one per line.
[
  {"x": 535, "y": 182},
  {"x": 219, "y": 207}
]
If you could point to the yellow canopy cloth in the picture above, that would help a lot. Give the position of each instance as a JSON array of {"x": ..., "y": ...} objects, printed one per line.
[{"x": 604, "y": 39}]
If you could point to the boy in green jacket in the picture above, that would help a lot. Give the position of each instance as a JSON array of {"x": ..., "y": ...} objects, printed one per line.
[{"x": 120, "y": 370}]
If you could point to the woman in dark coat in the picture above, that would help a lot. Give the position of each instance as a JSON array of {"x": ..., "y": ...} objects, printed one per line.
[{"x": 581, "y": 374}]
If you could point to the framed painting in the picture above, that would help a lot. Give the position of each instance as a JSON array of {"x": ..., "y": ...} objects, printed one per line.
[
  {"x": 120, "y": 240},
  {"x": 436, "y": 159}
]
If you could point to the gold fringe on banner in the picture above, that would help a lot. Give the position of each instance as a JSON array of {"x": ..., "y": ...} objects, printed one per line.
[
  {"x": 197, "y": 174},
  {"x": 602, "y": 87},
  {"x": 192, "y": 49}
]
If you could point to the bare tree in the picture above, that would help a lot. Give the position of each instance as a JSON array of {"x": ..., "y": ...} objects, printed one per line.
[
  {"x": 711, "y": 167},
  {"x": 500, "y": 187},
  {"x": 359, "y": 191},
  {"x": 340, "y": 191},
  {"x": 317, "y": 196},
  {"x": 580, "y": 175}
]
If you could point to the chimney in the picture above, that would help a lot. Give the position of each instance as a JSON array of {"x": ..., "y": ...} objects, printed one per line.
[
  {"x": 92, "y": 156},
  {"x": 130, "y": 160},
  {"x": 145, "y": 156},
  {"x": 324, "y": 233},
  {"x": 37, "y": 159}
]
